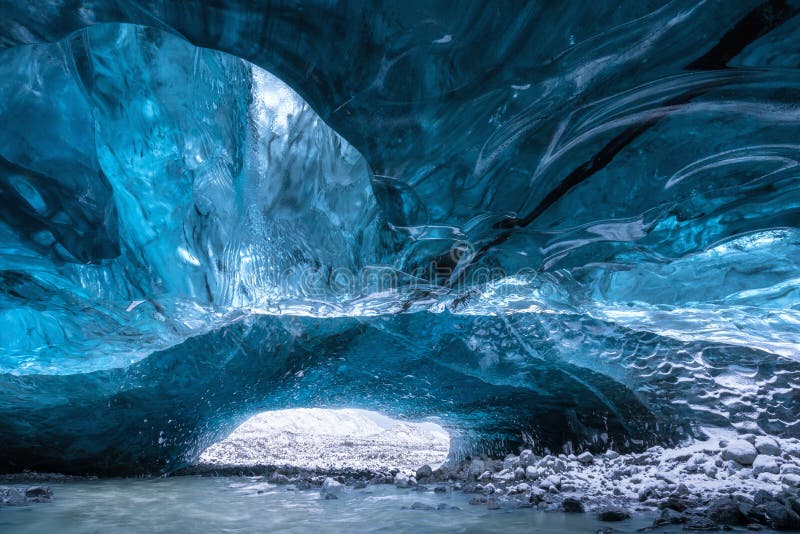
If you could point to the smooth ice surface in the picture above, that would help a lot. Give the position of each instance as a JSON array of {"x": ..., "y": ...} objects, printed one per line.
[{"x": 573, "y": 226}]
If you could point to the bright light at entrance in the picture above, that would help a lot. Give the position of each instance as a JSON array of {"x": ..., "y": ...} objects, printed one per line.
[{"x": 322, "y": 438}]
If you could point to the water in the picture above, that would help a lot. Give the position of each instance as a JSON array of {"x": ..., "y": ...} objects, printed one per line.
[{"x": 234, "y": 504}]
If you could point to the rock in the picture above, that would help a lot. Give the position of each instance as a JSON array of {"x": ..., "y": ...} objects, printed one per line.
[
  {"x": 677, "y": 503},
  {"x": 486, "y": 475},
  {"x": 726, "y": 512},
  {"x": 526, "y": 458},
  {"x": 586, "y": 458},
  {"x": 613, "y": 514},
  {"x": 422, "y": 506},
  {"x": 790, "y": 469},
  {"x": 550, "y": 481},
  {"x": 440, "y": 489},
  {"x": 611, "y": 455},
  {"x": 669, "y": 517},
  {"x": 700, "y": 524},
  {"x": 767, "y": 445},
  {"x": 519, "y": 473},
  {"x": 11, "y": 496},
  {"x": 39, "y": 494},
  {"x": 511, "y": 462},
  {"x": 488, "y": 489},
  {"x": 330, "y": 496},
  {"x": 559, "y": 466},
  {"x": 531, "y": 473},
  {"x": 781, "y": 517},
  {"x": 332, "y": 487},
  {"x": 740, "y": 451},
  {"x": 573, "y": 505},
  {"x": 278, "y": 478},
  {"x": 765, "y": 464},
  {"x": 791, "y": 480},
  {"x": 401, "y": 480},
  {"x": 424, "y": 472},
  {"x": 476, "y": 467},
  {"x": 478, "y": 500}
]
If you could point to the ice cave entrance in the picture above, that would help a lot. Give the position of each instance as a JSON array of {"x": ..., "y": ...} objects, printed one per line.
[{"x": 331, "y": 439}]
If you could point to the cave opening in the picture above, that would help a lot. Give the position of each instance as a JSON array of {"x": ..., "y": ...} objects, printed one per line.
[{"x": 323, "y": 438}]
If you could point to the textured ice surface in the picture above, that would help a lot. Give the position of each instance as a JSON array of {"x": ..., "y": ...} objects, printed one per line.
[{"x": 575, "y": 226}]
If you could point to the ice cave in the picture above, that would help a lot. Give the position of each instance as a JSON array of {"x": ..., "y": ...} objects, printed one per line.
[{"x": 553, "y": 228}]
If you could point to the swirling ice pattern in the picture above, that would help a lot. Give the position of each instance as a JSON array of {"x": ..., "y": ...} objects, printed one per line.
[{"x": 571, "y": 225}]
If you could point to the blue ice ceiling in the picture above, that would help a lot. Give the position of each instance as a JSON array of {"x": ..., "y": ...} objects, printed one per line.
[{"x": 568, "y": 224}]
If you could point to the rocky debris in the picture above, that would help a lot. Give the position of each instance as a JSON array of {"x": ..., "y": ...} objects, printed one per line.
[
  {"x": 740, "y": 451},
  {"x": 16, "y": 496},
  {"x": 733, "y": 482}
]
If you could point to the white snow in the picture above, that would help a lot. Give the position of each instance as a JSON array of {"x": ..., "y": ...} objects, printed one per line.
[{"x": 331, "y": 439}]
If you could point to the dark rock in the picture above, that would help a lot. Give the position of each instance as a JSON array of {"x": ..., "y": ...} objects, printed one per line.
[
  {"x": 679, "y": 504},
  {"x": 424, "y": 472},
  {"x": 781, "y": 517},
  {"x": 39, "y": 494},
  {"x": 477, "y": 500},
  {"x": 762, "y": 497},
  {"x": 669, "y": 517},
  {"x": 725, "y": 511},
  {"x": 493, "y": 504},
  {"x": 573, "y": 505},
  {"x": 440, "y": 489},
  {"x": 422, "y": 506},
  {"x": 613, "y": 514},
  {"x": 330, "y": 497},
  {"x": 360, "y": 484}
]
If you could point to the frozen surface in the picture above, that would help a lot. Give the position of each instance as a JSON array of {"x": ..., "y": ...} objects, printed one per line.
[
  {"x": 313, "y": 438},
  {"x": 567, "y": 226}
]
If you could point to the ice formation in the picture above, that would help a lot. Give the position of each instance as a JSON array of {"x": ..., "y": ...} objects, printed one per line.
[{"x": 574, "y": 226}]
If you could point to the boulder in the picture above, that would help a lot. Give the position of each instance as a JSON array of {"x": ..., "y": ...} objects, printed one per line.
[
  {"x": 586, "y": 458},
  {"x": 39, "y": 494},
  {"x": 740, "y": 451},
  {"x": 613, "y": 514},
  {"x": 767, "y": 445},
  {"x": 331, "y": 488},
  {"x": 400, "y": 480},
  {"x": 573, "y": 505},
  {"x": 765, "y": 464},
  {"x": 424, "y": 472}
]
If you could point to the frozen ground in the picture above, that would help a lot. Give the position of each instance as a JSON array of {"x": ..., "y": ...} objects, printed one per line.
[{"x": 317, "y": 438}]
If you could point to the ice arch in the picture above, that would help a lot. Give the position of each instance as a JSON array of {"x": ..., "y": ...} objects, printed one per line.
[{"x": 628, "y": 179}]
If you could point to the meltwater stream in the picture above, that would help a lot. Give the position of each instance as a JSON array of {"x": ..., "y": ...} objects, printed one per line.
[{"x": 233, "y": 504}]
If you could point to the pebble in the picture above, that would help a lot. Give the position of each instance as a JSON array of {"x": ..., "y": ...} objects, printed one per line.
[{"x": 586, "y": 457}]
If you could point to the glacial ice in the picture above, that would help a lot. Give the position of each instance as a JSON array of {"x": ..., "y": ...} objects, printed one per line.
[{"x": 571, "y": 226}]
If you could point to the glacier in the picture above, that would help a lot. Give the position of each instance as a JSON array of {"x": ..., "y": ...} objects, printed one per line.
[{"x": 571, "y": 226}]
